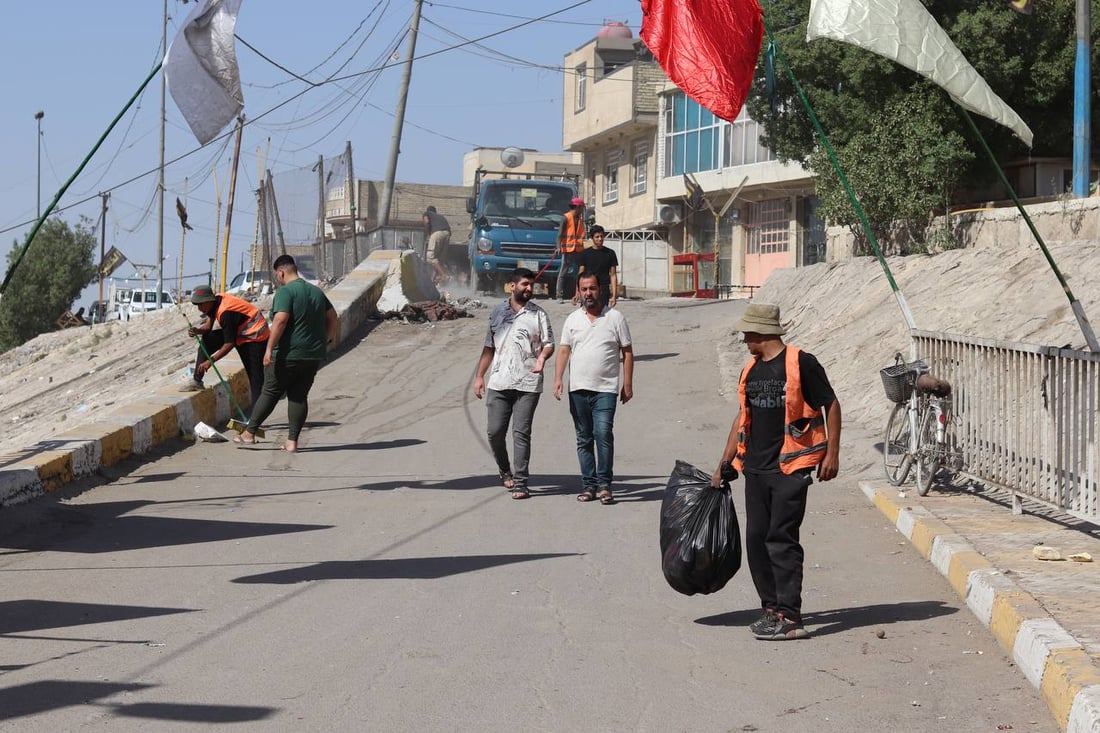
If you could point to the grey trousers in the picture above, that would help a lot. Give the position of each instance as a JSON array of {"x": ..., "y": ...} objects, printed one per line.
[{"x": 511, "y": 405}]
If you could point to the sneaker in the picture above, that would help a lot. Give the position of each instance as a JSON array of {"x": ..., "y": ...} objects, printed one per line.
[
  {"x": 764, "y": 621},
  {"x": 781, "y": 629},
  {"x": 192, "y": 385}
]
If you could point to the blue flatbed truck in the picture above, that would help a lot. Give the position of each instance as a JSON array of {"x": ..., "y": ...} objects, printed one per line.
[{"x": 515, "y": 220}]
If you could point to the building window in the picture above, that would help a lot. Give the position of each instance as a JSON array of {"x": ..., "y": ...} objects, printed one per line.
[
  {"x": 611, "y": 178},
  {"x": 582, "y": 88},
  {"x": 639, "y": 169},
  {"x": 695, "y": 140},
  {"x": 769, "y": 227},
  {"x": 741, "y": 143}
]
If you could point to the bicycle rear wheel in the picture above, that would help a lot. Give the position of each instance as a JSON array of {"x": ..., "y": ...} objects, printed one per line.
[
  {"x": 930, "y": 452},
  {"x": 895, "y": 446}
]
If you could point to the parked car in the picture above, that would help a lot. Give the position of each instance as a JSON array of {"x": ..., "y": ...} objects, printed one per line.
[
  {"x": 250, "y": 283},
  {"x": 143, "y": 301}
]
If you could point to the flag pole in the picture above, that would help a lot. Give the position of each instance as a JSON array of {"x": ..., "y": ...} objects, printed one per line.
[
  {"x": 65, "y": 187},
  {"x": 1074, "y": 304},
  {"x": 898, "y": 295}
]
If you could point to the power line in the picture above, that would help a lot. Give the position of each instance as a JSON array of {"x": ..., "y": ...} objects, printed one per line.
[{"x": 292, "y": 98}]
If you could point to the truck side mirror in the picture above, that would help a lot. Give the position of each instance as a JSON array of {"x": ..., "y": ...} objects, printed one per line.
[{"x": 471, "y": 205}]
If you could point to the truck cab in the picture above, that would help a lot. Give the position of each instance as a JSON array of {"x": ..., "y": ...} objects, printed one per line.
[{"x": 515, "y": 221}]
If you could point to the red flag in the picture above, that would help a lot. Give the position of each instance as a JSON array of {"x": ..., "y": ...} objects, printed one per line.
[{"x": 708, "y": 48}]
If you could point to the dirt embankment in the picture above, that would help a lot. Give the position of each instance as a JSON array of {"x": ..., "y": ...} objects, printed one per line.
[{"x": 845, "y": 313}]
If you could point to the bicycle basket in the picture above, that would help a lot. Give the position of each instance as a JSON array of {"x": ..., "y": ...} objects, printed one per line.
[{"x": 898, "y": 380}]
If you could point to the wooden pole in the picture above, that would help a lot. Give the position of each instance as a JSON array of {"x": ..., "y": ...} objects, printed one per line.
[{"x": 232, "y": 191}]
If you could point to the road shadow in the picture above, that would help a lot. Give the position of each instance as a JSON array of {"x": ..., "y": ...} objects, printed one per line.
[
  {"x": 630, "y": 487},
  {"x": 823, "y": 623},
  {"x": 94, "y": 528},
  {"x": 377, "y": 445},
  {"x": 35, "y": 698},
  {"x": 185, "y": 713},
  {"x": 40, "y": 697},
  {"x": 655, "y": 357},
  {"x": 407, "y": 568},
  {"x": 17, "y": 617}
]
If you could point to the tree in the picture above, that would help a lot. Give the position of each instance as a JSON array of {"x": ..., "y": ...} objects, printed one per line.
[
  {"x": 55, "y": 269},
  {"x": 900, "y": 140}
]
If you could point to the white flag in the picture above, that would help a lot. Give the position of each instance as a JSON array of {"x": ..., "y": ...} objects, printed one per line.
[
  {"x": 201, "y": 68},
  {"x": 905, "y": 32}
]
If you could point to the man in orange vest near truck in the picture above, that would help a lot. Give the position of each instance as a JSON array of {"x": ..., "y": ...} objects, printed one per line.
[
  {"x": 571, "y": 236},
  {"x": 788, "y": 425},
  {"x": 243, "y": 327}
]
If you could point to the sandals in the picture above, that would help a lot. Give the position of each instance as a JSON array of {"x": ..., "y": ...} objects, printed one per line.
[
  {"x": 520, "y": 492},
  {"x": 507, "y": 480},
  {"x": 604, "y": 495}
]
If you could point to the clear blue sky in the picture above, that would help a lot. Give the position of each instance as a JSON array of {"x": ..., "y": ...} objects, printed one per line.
[{"x": 80, "y": 62}]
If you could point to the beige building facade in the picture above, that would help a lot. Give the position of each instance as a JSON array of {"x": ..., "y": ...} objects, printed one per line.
[{"x": 639, "y": 135}]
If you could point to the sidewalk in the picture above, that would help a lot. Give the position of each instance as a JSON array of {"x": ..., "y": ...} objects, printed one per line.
[{"x": 1046, "y": 614}]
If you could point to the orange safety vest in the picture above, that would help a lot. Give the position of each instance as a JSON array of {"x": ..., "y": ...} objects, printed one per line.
[
  {"x": 572, "y": 239},
  {"x": 255, "y": 328},
  {"x": 804, "y": 435}
]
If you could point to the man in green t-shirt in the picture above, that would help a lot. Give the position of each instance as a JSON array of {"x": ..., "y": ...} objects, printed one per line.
[{"x": 303, "y": 324}]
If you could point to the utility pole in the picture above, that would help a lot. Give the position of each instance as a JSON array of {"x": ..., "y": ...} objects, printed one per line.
[
  {"x": 102, "y": 255},
  {"x": 160, "y": 175},
  {"x": 275, "y": 213},
  {"x": 38, "y": 117},
  {"x": 1082, "y": 113},
  {"x": 321, "y": 200},
  {"x": 351, "y": 207},
  {"x": 399, "y": 119}
]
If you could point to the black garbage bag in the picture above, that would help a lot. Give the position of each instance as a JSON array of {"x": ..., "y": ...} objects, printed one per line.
[{"x": 700, "y": 536}]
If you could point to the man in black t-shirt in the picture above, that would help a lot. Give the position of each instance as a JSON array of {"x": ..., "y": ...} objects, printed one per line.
[
  {"x": 604, "y": 263},
  {"x": 788, "y": 425}
]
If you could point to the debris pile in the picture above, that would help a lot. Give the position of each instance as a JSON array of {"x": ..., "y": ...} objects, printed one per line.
[{"x": 428, "y": 310}]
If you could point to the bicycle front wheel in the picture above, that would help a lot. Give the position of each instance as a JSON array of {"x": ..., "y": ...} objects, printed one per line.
[
  {"x": 929, "y": 453},
  {"x": 895, "y": 446}
]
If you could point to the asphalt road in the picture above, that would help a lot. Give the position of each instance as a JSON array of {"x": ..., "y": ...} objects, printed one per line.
[{"x": 380, "y": 580}]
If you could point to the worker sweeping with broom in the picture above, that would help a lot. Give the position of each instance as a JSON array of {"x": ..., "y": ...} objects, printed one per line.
[{"x": 243, "y": 327}]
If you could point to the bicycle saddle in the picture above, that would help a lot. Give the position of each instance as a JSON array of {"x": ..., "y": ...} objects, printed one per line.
[{"x": 926, "y": 383}]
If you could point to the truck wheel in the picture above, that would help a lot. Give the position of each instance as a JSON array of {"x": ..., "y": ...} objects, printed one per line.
[{"x": 480, "y": 281}]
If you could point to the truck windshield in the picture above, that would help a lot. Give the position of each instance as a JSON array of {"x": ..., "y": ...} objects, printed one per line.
[{"x": 539, "y": 205}]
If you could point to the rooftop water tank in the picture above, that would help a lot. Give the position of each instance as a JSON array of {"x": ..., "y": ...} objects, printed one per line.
[{"x": 614, "y": 29}]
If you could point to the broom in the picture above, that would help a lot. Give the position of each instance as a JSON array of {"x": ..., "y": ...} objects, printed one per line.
[{"x": 233, "y": 423}]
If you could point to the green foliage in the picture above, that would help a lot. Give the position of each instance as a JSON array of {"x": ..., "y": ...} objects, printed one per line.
[
  {"x": 900, "y": 139},
  {"x": 53, "y": 272}
]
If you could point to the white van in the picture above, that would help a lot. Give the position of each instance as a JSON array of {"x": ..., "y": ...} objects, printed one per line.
[
  {"x": 250, "y": 283},
  {"x": 142, "y": 301}
]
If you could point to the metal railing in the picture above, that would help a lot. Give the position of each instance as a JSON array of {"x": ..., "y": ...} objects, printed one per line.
[{"x": 1026, "y": 417}]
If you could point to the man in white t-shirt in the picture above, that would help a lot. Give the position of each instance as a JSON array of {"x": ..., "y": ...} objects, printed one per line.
[
  {"x": 593, "y": 341},
  {"x": 519, "y": 342}
]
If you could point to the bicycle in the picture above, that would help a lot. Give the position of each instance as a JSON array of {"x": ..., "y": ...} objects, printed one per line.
[{"x": 917, "y": 429}]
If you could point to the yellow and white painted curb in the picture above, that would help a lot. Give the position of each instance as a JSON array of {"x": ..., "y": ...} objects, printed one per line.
[
  {"x": 134, "y": 429},
  {"x": 1055, "y": 663}
]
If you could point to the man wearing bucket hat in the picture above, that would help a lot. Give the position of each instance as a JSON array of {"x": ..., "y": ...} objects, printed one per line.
[
  {"x": 788, "y": 425},
  {"x": 243, "y": 327},
  {"x": 571, "y": 236}
]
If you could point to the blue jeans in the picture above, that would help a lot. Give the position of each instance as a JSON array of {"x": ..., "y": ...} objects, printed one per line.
[{"x": 594, "y": 420}]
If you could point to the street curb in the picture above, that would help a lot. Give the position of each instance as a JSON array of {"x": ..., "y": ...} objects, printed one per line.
[
  {"x": 135, "y": 428},
  {"x": 1055, "y": 663}
]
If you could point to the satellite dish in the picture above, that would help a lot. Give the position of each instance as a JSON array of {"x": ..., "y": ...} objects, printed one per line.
[{"x": 511, "y": 157}]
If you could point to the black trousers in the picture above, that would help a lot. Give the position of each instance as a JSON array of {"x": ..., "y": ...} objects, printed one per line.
[
  {"x": 775, "y": 505},
  {"x": 252, "y": 356}
]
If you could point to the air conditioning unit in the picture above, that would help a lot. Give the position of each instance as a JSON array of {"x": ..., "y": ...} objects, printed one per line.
[{"x": 669, "y": 214}]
